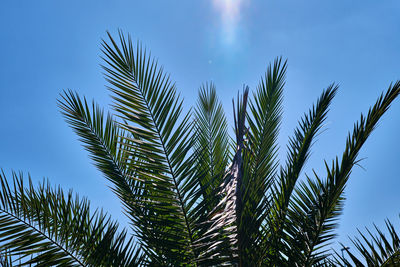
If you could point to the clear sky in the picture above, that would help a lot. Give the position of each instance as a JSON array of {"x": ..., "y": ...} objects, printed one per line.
[{"x": 48, "y": 46}]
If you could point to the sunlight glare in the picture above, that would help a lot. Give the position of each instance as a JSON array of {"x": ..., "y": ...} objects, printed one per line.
[{"x": 230, "y": 16}]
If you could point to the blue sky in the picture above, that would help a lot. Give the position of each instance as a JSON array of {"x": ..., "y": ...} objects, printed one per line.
[{"x": 48, "y": 46}]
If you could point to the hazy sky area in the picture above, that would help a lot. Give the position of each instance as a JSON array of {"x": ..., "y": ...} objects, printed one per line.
[{"x": 48, "y": 46}]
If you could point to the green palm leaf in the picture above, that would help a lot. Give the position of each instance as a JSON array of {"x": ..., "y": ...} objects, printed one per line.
[
  {"x": 211, "y": 154},
  {"x": 147, "y": 102},
  {"x": 298, "y": 153},
  {"x": 259, "y": 160},
  {"x": 219, "y": 242},
  {"x": 44, "y": 226},
  {"x": 319, "y": 202},
  {"x": 103, "y": 138},
  {"x": 211, "y": 147},
  {"x": 375, "y": 249}
]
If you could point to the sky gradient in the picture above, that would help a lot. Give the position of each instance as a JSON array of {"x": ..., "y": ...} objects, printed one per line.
[{"x": 48, "y": 46}]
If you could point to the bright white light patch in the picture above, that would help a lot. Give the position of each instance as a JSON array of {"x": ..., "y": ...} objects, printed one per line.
[{"x": 230, "y": 16}]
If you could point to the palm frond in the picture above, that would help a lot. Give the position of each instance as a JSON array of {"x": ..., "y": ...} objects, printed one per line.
[
  {"x": 211, "y": 147},
  {"x": 375, "y": 249},
  {"x": 44, "y": 226},
  {"x": 319, "y": 202},
  {"x": 298, "y": 153},
  {"x": 147, "y": 101},
  {"x": 259, "y": 159},
  {"x": 219, "y": 242},
  {"x": 211, "y": 153},
  {"x": 103, "y": 138}
]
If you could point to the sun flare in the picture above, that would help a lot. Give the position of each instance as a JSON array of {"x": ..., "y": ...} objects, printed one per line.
[{"x": 229, "y": 11}]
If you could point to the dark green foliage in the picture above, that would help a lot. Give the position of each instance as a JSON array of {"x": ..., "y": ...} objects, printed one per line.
[
  {"x": 375, "y": 249},
  {"x": 43, "y": 226},
  {"x": 194, "y": 195}
]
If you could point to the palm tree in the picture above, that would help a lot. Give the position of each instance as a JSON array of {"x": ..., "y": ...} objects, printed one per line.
[{"x": 194, "y": 195}]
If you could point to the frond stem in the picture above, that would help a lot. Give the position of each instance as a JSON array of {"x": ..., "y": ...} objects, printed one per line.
[
  {"x": 43, "y": 234},
  {"x": 169, "y": 165}
]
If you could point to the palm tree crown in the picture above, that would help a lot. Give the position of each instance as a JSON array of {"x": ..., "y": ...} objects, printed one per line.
[{"x": 194, "y": 195}]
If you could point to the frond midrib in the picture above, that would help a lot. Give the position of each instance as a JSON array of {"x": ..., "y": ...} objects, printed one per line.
[
  {"x": 172, "y": 172},
  {"x": 54, "y": 242}
]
